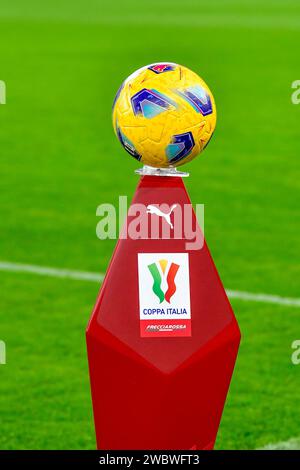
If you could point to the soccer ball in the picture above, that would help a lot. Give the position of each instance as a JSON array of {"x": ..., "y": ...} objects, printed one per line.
[{"x": 164, "y": 115}]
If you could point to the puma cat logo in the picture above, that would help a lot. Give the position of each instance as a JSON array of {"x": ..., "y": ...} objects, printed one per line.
[{"x": 155, "y": 210}]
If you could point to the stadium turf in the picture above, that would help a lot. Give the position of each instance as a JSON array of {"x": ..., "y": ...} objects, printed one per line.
[{"x": 62, "y": 62}]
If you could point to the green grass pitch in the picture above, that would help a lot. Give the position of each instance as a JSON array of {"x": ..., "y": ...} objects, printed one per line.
[{"x": 62, "y": 62}]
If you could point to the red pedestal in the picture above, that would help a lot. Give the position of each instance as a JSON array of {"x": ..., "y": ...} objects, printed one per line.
[{"x": 162, "y": 340}]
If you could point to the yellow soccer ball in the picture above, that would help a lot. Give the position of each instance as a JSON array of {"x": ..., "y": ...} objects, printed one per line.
[{"x": 164, "y": 115}]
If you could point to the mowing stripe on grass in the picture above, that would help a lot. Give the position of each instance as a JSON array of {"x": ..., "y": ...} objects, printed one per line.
[
  {"x": 94, "y": 277},
  {"x": 206, "y": 20}
]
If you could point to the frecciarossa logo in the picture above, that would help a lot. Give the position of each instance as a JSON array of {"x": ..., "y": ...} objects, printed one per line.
[{"x": 169, "y": 274}]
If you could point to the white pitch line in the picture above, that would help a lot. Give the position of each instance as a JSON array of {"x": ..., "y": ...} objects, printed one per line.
[
  {"x": 51, "y": 272},
  {"x": 98, "y": 277},
  {"x": 264, "y": 298},
  {"x": 291, "y": 444}
]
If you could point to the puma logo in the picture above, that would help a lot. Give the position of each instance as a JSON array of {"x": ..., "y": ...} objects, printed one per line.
[{"x": 155, "y": 210}]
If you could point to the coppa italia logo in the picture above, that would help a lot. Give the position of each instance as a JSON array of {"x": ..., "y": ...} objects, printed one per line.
[
  {"x": 164, "y": 294},
  {"x": 157, "y": 279}
]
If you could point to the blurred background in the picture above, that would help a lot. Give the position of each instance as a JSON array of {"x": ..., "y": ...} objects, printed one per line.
[{"x": 62, "y": 62}]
